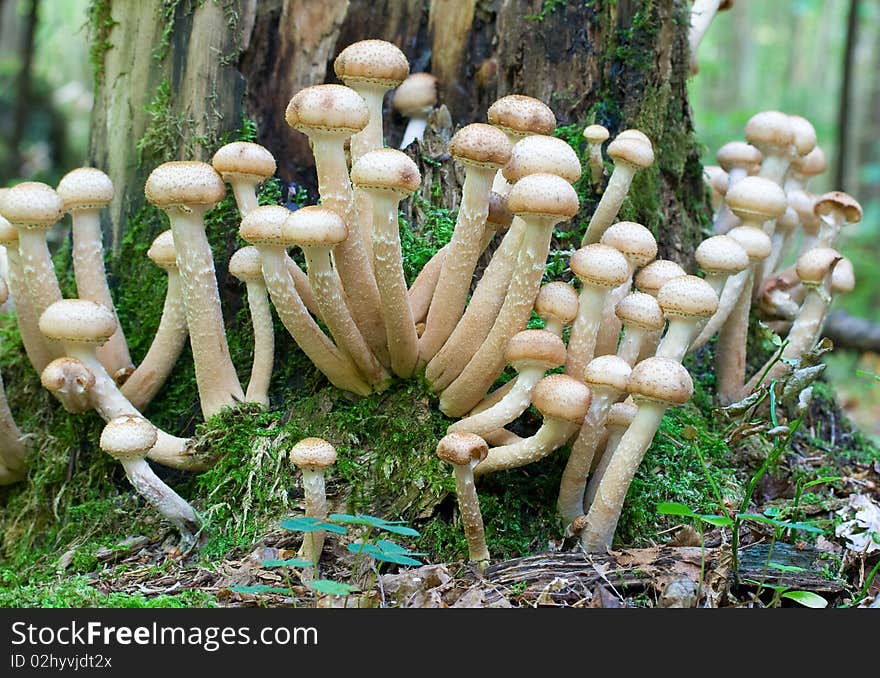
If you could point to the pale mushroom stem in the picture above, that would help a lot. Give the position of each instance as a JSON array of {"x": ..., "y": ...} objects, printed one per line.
[
  {"x": 701, "y": 17},
  {"x": 631, "y": 343},
  {"x": 471, "y": 517},
  {"x": 730, "y": 294},
  {"x": 415, "y": 129},
  {"x": 678, "y": 338},
  {"x": 370, "y": 138},
  {"x": 12, "y": 448},
  {"x": 245, "y": 196},
  {"x": 35, "y": 344},
  {"x": 422, "y": 290},
  {"x": 585, "y": 329},
  {"x": 552, "y": 435},
  {"x": 316, "y": 507},
  {"x": 730, "y": 364},
  {"x": 39, "y": 276},
  {"x": 609, "y": 324},
  {"x": 167, "y": 345},
  {"x": 166, "y": 501},
  {"x": 612, "y": 440},
  {"x": 264, "y": 343},
  {"x": 609, "y": 205},
  {"x": 514, "y": 402}
]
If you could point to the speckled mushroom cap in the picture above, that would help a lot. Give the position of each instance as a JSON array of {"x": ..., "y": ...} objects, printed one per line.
[
  {"x": 184, "y": 183},
  {"x": 770, "y": 131},
  {"x": 687, "y": 297},
  {"x": 312, "y": 453},
  {"x": 535, "y": 348},
  {"x": 519, "y": 116},
  {"x": 62, "y": 371},
  {"x": 374, "y": 62},
  {"x": 329, "y": 109},
  {"x": 640, "y": 309},
  {"x": 811, "y": 164},
  {"x": 263, "y": 225},
  {"x": 803, "y": 133},
  {"x": 838, "y": 201},
  {"x": 607, "y": 371},
  {"x": 543, "y": 195},
  {"x": 416, "y": 94},
  {"x": 813, "y": 265},
  {"x": 756, "y": 198},
  {"x": 632, "y": 240},
  {"x": 653, "y": 276},
  {"x": 661, "y": 379},
  {"x": 128, "y": 437},
  {"x": 716, "y": 178},
  {"x": 633, "y": 148},
  {"x": 738, "y": 155},
  {"x": 85, "y": 188},
  {"x": 721, "y": 254},
  {"x": 245, "y": 264},
  {"x": 536, "y": 153},
  {"x": 596, "y": 134},
  {"x": 462, "y": 448},
  {"x": 499, "y": 216},
  {"x": 31, "y": 205},
  {"x": 558, "y": 396},
  {"x": 481, "y": 145},
  {"x": 314, "y": 226},
  {"x": 387, "y": 170},
  {"x": 753, "y": 240},
  {"x": 162, "y": 252},
  {"x": 621, "y": 415},
  {"x": 78, "y": 320},
  {"x": 244, "y": 160},
  {"x": 557, "y": 300},
  {"x": 599, "y": 265},
  {"x": 843, "y": 277}
]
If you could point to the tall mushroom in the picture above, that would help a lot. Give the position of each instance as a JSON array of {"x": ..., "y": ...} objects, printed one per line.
[
  {"x": 313, "y": 456},
  {"x": 620, "y": 416},
  {"x": 595, "y": 136},
  {"x": 414, "y": 99},
  {"x": 185, "y": 190}
]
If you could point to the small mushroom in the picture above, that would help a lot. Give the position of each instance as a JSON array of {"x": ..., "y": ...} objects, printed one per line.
[
  {"x": 244, "y": 166},
  {"x": 835, "y": 210},
  {"x": 595, "y": 136},
  {"x": 414, "y": 99},
  {"x": 720, "y": 257},
  {"x": 640, "y": 315},
  {"x": 771, "y": 133},
  {"x": 313, "y": 456},
  {"x": 739, "y": 160},
  {"x": 804, "y": 168},
  {"x": 71, "y": 382},
  {"x": 687, "y": 302},
  {"x": 557, "y": 306},
  {"x": 649, "y": 280},
  {"x": 465, "y": 451}
]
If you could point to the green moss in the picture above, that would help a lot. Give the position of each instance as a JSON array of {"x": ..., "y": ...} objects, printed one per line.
[
  {"x": 547, "y": 8},
  {"x": 420, "y": 242},
  {"x": 100, "y": 24},
  {"x": 168, "y": 133},
  {"x": 168, "y": 12}
]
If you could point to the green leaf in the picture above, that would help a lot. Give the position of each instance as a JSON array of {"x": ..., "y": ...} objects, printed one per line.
[
  {"x": 806, "y": 598},
  {"x": 388, "y": 546},
  {"x": 822, "y": 481},
  {"x": 308, "y": 524},
  {"x": 396, "y": 558},
  {"x": 717, "y": 521},
  {"x": 786, "y": 568},
  {"x": 360, "y": 547},
  {"x": 258, "y": 588},
  {"x": 290, "y": 562},
  {"x": 400, "y": 529},
  {"x": 393, "y": 526},
  {"x": 671, "y": 508},
  {"x": 331, "y": 588},
  {"x": 758, "y": 518}
]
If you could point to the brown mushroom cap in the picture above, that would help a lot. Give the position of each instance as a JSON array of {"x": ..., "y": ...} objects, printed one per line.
[
  {"x": 128, "y": 437},
  {"x": 656, "y": 274},
  {"x": 543, "y": 195},
  {"x": 245, "y": 264},
  {"x": 558, "y": 396},
  {"x": 535, "y": 348},
  {"x": 843, "y": 277},
  {"x": 738, "y": 155},
  {"x": 416, "y": 94},
  {"x": 78, "y": 320},
  {"x": 804, "y": 134},
  {"x": 85, "y": 188},
  {"x": 621, "y": 414},
  {"x": 376, "y": 62},
  {"x": 335, "y": 109},
  {"x": 633, "y": 148},
  {"x": 608, "y": 371},
  {"x": 828, "y": 203},
  {"x": 661, "y": 379},
  {"x": 721, "y": 254},
  {"x": 632, "y": 240},
  {"x": 184, "y": 183},
  {"x": 499, "y": 216},
  {"x": 813, "y": 265},
  {"x": 811, "y": 164},
  {"x": 481, "y": 145},
  {"x": 600, "y": 265},
  {"x": 521, "y": 115},
  {"x": 64, "y": 370},
  {"x": 559, "y": 300},
  {"x": 314, "y": 225},
  {"x": 770, "y": 130},
  {"x": 754, "y": 241},
  {"x": 462, "y": 448},
  {"x": 640, "y": 309},
  {"x": 264, "y": 225},
  {"x": 388, "y": 170},
  {"x": 596, "y": 134},
  {"x": 31, "y": 205},
  {"x": 312, "y": 453},
  {"x": 756, "y": 198},
  {"x": 688, "y": 297},
  {"x": 534, "y": 154},
  {"x": 162, "y": 252},
  {"x": 244, "y": 160}
]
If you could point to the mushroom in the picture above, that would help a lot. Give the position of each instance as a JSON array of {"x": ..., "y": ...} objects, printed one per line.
[
  {"x": 81, "y": 326},
  {"x": 739, "y": 160},
  {"x": 620, "y": 416},
  {"x": 649, "y": 280},
  {"x": 84, "y": 192},
  {"x": 482, "y": 149},
  {"x": 720, "y": 257},
  {"x": 465, "y": 451},
  {"x": 607, "y": 377},
  {"x": 128, "y": 438},
  {"x": 563, "y": 402},
  {"x": 537, "y": 154},
  {"x": 803, "y": 136},
  {"x": 655, "y": 384},
  {"x": 595, "y": 136},
  {"x": 389, "y": 176},
  {"x": 71, "y": 382},
  {"x": 771, "y": 133},
  {"x": 541, "y": 201},
  {"x": 264, "y": 228},
  {"x": 245, "y": 265},
  {"x": 835, "y": 210},
  {"x": 12, "y": 449},
  {"x": 185, "y": 190},
  {"x": 244, "y": 166},
  {"x": 631, "y": 151},
  {"x": 601, "y": 269},
  {"x": 531, "y": 353},
  {"x": 414, "y": 99},
  {"x": 687, "y": 302},
  {"x": 313, "y": 456},
  {"x": 144, "y": 383},
  {"x": 702, "y": 13},
  {"x": 805, "y": 167},
  {"x": 557, "y": 306},
  {"x": 328, "y": 115},
  {"x": 640, "y": 315}
]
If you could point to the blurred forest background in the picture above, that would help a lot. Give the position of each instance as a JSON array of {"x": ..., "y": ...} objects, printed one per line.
[{"x": 816, "y": 58}]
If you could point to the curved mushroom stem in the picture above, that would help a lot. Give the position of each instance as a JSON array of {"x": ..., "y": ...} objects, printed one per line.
[
  {"x": 552, "y": 435},
  {"x": 585, "y": 329},
  {"x": 264, "y": 343},
  {"x": 415, "y": 129},
  {"x": 612, "y": 437},
  {"x": 303, "y": 288},
  {"x": 514, "y": 402},
  {"x": 35, "y": 344},
  {"x": 701, "y": 17},
  {"x": 609, "y": 205},
  {"x": 730, "y": 293}
]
